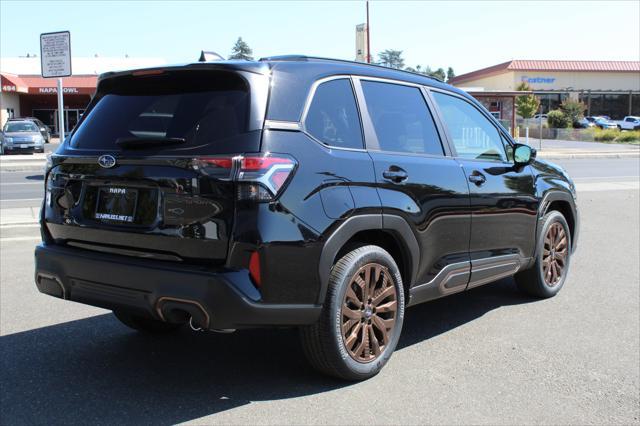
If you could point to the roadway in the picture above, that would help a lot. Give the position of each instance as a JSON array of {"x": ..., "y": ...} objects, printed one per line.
[{"x": 487, "y": 356}]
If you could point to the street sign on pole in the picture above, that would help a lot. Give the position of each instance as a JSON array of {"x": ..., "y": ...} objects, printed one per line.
[{"x": 55, "y": 57}]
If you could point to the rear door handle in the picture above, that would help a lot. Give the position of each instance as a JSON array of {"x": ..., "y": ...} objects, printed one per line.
[
  {"x": 477, "y": 178},
  {"x": 395, "y": 175}
]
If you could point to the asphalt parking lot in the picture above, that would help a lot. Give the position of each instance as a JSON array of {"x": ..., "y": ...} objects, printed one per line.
[{"x": 487, "y": 356}]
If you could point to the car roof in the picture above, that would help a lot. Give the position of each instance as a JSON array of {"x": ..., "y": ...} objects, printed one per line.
[
  {"x": 284, "y": 63},
  {"x": 293, "y": 76},
  {"x": 20, "y": 121}
]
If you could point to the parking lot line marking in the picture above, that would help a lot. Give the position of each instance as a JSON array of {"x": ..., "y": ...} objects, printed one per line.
[
  {"x": 19, "y": 225},
  {"x": 607, "y": 186},
  {"x": 21, "y": 199},
  {"x": 21, "y": 183},
  {"x": 10, "y": 239}
]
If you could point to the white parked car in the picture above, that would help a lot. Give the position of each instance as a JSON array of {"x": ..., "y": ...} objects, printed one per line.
[{"x": 630, "y": 122}]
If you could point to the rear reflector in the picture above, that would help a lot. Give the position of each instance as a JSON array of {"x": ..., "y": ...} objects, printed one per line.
[{"x": 254, "y": 269}]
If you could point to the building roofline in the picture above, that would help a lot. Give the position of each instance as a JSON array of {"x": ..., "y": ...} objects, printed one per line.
[{"x": 550, "y": 66}]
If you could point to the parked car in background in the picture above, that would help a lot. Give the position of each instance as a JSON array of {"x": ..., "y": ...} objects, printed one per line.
[
  {"x": 587, "y": 122},
  {"x": 605, "y": 123},
  {"x": 630, "y": 122},
  {"x": 1, "y": 143},
  {"x": 537, "y": 117},
  {"x": 22, "y": 136},
  {"x": 44, "y": 129}
]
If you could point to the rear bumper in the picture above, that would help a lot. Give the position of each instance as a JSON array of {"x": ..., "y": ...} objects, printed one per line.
[
  {"x": 28, "y": 149},
  {"x": 170, "y": 292}
]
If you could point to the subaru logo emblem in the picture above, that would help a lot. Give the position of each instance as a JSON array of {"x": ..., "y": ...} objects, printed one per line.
[{"x": 106, "y": 161}]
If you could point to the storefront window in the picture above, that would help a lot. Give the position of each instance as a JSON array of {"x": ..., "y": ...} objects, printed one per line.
[
  {"x": 613, "y": 105},
  {"x": 550, "y": 101},
  {"x": 635, "y": 104}
]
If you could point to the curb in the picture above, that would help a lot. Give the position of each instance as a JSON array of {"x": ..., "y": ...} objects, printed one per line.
[
  {"x": 25, "y": 167},
  {"x": 587, "y": 155}
]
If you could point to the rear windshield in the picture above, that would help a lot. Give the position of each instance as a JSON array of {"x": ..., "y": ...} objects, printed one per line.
[{"x": 207, "y": 112}]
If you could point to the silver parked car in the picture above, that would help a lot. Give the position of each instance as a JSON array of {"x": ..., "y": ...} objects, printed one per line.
[{"x": 22, "y": 136}]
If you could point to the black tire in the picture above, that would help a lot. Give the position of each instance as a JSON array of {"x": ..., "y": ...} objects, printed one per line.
[
  {"x": 323, "y": 342},
  {"x": 533, "y": 281},
  {"x": 147, "y": 325}
]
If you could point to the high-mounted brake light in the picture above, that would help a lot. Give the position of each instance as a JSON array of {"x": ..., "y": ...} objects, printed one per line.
[
  {"x": 147, "y": 72},
  {"x": 260, "y": 177}
]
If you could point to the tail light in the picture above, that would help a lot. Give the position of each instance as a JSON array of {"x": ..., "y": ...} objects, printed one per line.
[{"x": 260, "y": 177}]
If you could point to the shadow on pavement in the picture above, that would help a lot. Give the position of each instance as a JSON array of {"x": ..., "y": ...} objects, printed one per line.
[
  {"x": 35, "y": 177},
  {"x": 95, "y": 370}
]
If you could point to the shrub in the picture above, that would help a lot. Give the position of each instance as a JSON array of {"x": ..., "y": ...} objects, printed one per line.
[
  {"x": 607, "y": 135},
  {"x": 628, "y": 137},
  {"x": 558, "y": 119},
  {"x": 574, "y": 110}
]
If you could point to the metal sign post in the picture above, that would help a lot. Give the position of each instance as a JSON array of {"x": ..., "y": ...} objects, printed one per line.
[
  {"x": 55, "y": 57},
  {"x": 540, "y": 118}
]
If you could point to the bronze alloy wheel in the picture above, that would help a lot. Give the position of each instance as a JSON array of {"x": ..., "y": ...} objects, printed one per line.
[
  {"x": 554, "y": 256},
  {"x": 369, "y": 312}
]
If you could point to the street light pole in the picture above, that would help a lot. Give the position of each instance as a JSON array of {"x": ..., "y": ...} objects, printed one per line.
[{"x": 368, "y": 36}]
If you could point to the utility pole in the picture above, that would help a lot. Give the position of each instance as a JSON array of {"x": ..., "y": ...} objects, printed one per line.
[{"x": 368, "y": 36}]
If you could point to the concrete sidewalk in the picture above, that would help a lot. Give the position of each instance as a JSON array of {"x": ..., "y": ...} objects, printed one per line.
[{"x": 22, "y": 162}]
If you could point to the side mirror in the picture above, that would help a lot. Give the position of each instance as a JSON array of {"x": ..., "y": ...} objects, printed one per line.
[{"x": 523, "y": 154}]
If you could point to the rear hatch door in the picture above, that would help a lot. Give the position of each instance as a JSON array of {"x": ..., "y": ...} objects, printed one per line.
[{"x": 148, "y": 170}]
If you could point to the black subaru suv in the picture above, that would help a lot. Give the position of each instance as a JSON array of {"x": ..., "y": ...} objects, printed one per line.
[{"x": 295, "y": 191}]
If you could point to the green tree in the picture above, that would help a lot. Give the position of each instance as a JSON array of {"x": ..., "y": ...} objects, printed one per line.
[
  {"x": 557, "y": 119},
  {"x": 241, "y": 50},
  {"x": 391, "y": 58},
  {"x": 526, "y": 105},
  {"x": 439, "y": 74},
  {"x": 574, "y": 110},
  {"x": 450, "y": 74}
]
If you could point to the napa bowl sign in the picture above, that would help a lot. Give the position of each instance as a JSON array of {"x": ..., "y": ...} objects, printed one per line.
[{"x": 50, "y": 90}]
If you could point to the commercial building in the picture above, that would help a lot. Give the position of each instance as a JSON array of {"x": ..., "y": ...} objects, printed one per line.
[
  {"x": 26, "y": 94},
  {"x": 606, "y": 87}
]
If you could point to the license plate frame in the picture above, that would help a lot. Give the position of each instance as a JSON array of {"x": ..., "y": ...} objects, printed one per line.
[
  {"x": 116, "y": 204},
  {"x": 24, "y": 146}
]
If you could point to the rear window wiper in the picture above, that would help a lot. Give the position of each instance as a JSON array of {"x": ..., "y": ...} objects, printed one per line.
[{"x": 128, "y": 142}]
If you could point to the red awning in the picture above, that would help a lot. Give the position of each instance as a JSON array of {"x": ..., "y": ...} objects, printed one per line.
[
  {"x": 36, "y": 85},
  {"x": 13, "y": 83}
]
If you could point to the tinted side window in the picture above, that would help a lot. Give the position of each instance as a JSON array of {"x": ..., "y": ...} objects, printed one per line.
[
  {"x": 401, "y": 118},
  {"x": 473, "y": 134},
  {"x": 333, "y": 116}
]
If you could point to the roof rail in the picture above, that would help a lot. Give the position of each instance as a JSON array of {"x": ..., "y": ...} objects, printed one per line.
[{"x": 304, "y": 58}]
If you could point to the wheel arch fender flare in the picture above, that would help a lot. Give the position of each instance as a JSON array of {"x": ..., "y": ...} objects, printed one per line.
[
  {"x": 351, "y": 226},
  {"x": 565, "y": 197}
]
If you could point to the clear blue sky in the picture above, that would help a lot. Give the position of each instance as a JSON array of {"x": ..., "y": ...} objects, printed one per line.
[{"x": 463, "y": 34}]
